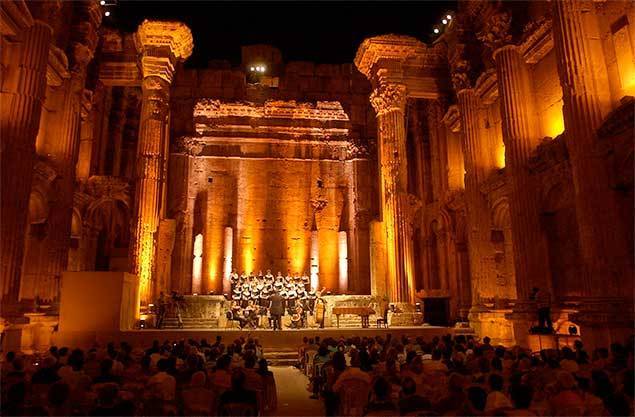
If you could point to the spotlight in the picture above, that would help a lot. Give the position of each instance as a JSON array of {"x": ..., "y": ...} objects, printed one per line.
[
  {"x": 252, "y": 69},
  {"x": 107, "y": 14},
  {"x": 449, "y": 17},
  {"x": 444, "y": 21},
  {"x": 436, "y": 30},
  {"x": 102, "y": 2}
]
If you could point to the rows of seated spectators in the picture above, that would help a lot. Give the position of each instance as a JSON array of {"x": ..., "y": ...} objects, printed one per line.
[
  {"x": 170, "y": 378},
  {"x": 464, "y": 376}
]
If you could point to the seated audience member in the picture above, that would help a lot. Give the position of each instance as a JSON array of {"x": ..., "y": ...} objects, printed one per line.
[
  {"x": 107, "y": 396},
  {"x": 477, "y": 398},
  {"x": 381, "y": 401},
  {"x": 46, "y": 373},
  {"x": 197, "y": 399},
  {"x": 58, "y": 400},
  {"x": 105, "y": 373},
  {"x": 496, "y": 399},
  {"x": 521, "y": 399},
  {"x": 238, "y": 398},
  {"x": 352, "y": 372},
  {"x": 162, "y": 385},
  {"x": 14, "y": 402},
  {"x": 567, "y": 400},
  {"x": 409, "y": 401},
  {"x": 221, "y": 378}
]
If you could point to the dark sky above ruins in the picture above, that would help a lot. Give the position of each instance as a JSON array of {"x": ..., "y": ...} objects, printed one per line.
[{"x": 325, "y": 32}]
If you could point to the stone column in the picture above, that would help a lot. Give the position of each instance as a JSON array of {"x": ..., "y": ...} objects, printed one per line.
[
  {"x": 161, "y": 45},
  {"x": 117, "y": 120},
  {"x": 607, "y": 267},
  {"x": 397, "y": 212},
  {"x": 21, "y": 105},
  {"x": 519, "y": 134},
  {"x": 62, "y": 145},
  {"x": 475, "y": 154},
  {"x": 82, "y": 170}
]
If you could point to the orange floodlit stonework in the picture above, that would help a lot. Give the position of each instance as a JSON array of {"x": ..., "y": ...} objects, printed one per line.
[{"x": 458, "y": 172}]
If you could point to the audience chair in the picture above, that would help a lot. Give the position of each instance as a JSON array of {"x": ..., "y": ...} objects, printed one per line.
[{"x": 353, "y": 398}]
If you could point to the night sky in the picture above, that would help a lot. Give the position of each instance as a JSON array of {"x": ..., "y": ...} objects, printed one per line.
[{"x": 324, "y": 32}]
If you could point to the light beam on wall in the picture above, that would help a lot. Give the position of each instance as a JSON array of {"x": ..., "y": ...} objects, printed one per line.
[
  {"x": 227, "y": 259},
  {"x": 342, "y": 240},
  {"x": 197, "y": 264},
  {"x": 315, "y": 263}
]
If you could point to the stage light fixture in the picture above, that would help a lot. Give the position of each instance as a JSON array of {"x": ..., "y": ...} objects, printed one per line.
[
  {"x": 444, "y": 21},
  {"x": 436, "y": 30},
  {"x": 102, "y": 2},
  {"x": 449, "y": 17},
  {"x": 107, "y": 13}
]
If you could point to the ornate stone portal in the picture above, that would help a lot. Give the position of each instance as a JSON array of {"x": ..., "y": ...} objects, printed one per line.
[{"x": 278, "y": 176}]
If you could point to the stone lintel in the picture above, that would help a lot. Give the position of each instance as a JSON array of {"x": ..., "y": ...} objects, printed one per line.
[
  {"x": 403, "y": 59},
  {"x": 320, "y": 111},
  {"x": 537, "y": 42},
  {"x": 125, "y": 74},
  {"x": 487, "y": 86}
]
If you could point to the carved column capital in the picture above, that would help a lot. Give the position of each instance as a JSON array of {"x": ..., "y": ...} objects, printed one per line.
[
  {"x": 460, "y": 75},
  {"x": 156, "y": 92},
  {"x": 495, "y": 33},
  {"x": 389, "y": 97},
  {"x": 161, "y": 45}
]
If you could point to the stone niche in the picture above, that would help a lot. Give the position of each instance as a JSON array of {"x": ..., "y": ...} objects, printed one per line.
[{"x": 286, "y": 178}]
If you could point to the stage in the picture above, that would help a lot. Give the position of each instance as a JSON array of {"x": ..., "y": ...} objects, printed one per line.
[{"x": 288, "y": 338}]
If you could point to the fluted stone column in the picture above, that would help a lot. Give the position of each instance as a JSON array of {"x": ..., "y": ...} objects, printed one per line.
[
  {"x": 520, "y": 137},
  {"x": 21, "y": 105},
  {"x": 62, "y": 145},
  {"x": 607, "y": 267},
  {"x": 161, "y": 45},
  {"x": 397, "y": 205},
  {"x": 476, "y": 163}
]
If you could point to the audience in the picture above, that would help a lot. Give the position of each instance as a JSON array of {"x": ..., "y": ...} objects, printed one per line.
[
  {"x": 446, "y": 376},
  {"x": 169, "y": 378},
  {"x": 455, "y": 376}
]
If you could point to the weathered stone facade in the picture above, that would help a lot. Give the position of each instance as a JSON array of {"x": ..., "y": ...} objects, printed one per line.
[{"x": 460, "y": 173}]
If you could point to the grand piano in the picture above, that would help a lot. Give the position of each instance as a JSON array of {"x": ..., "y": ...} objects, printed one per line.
[{"x": 363, "y": 312}]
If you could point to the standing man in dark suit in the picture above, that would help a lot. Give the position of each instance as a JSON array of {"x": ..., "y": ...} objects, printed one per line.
[{"x": 276, "y": 307}]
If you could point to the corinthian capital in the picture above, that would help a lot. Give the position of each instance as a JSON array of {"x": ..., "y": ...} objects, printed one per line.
[
  {"x": 495, "y": 33},
  {"x": 389, "y": 97},
  {"x": 162, "y": 45}
]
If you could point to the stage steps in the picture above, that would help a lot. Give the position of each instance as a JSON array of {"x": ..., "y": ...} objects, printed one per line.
[
  {"x": 281, "y": 356},
  {"x": 190, "y": 323}
]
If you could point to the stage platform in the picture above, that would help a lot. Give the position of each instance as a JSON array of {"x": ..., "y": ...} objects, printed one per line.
[{"x": 288, "y": 338}]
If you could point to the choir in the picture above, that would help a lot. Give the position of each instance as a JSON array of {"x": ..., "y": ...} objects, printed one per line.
[{"x": 251, "y": 298}]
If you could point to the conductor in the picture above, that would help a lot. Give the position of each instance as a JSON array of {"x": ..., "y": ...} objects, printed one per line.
[{"x": 276, "y": 309}]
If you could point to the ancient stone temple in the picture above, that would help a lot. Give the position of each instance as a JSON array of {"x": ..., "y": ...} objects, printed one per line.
[{"x": 445, "y": 177}]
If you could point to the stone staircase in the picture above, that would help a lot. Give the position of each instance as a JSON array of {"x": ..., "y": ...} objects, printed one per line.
[
  {"x": 281, "y": 356},
  {"x": 171, "y": 322},
  {"x": 353, "y": 321}
]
